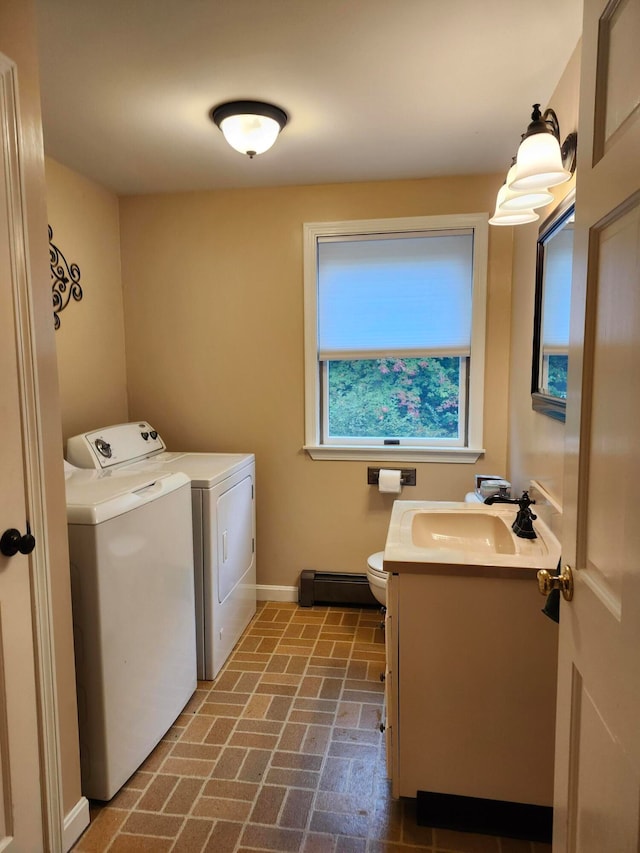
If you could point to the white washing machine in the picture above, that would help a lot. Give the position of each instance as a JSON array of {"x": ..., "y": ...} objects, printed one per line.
[
  {"x": 131, "y": 561},
  {"x": 223, "y": 505}
]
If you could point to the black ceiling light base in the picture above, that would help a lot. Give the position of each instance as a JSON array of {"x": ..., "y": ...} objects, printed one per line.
[{"x": 255, "y": 108}]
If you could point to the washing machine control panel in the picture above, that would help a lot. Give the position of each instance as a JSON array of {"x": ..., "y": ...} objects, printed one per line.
[{"x": 115, "y": 445}]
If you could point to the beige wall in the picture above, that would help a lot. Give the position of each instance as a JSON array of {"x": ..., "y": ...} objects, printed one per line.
[
  {"x": 18, "y": 41},
  {"x": 536, "y": 441},
  {"x": 90, "y": 340},
  {"x": 214, "y": 329}
]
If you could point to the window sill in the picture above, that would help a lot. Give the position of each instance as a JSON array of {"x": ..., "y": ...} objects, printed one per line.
[{"x": 336, "y": 452}]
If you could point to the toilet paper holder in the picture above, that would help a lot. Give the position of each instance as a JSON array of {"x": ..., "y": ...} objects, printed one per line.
[{"x": 407, "y": 476}]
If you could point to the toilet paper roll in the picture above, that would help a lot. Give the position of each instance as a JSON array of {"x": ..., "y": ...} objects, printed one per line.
[{"x": 389, "y": 481}]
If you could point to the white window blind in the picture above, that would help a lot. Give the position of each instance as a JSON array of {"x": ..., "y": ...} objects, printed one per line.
[
  {"x": 407, "y": 294},
  {"x": 557, "y": 292}
]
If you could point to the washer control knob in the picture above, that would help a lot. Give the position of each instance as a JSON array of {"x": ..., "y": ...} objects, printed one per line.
[
  {"x": 153, "y": 434},
  {"x": 103, "y": 447},
  {"x": 145, "y": 435}
]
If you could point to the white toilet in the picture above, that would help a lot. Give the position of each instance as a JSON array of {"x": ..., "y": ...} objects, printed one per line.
[{"x": 377, "y": 577}]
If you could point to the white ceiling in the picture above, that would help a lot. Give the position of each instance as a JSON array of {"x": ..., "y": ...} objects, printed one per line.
[{"x": 374, "y": 89}]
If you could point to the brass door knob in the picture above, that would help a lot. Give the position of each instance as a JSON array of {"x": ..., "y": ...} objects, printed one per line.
[{"x": 563, "y": 582}]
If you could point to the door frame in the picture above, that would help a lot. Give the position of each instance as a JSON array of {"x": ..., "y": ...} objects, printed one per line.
[{"x": 33, "y": 457}]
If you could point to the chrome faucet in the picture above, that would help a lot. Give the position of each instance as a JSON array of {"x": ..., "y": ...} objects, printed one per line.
[{"x": 523, "y": 523}]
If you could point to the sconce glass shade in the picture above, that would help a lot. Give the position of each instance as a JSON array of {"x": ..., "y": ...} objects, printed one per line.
[
  {"x": 528, "y": 200},
  {"x": 510, "y": 217},
  {"x": 538, "y": 164},
  {"x": 251, "y": 127}
]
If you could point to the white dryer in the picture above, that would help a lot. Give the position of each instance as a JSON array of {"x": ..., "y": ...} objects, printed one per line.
[
  {"x": 223, "y": 506},
  {"x": 131, "y": 562}
]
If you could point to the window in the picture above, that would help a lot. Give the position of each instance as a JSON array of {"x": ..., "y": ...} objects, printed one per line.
[{"x": 394, "y": 338}]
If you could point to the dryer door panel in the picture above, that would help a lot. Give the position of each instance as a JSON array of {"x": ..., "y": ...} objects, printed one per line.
[{"x": 235, "y": 535}]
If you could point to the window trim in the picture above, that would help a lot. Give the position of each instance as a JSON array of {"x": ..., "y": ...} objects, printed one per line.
[{"x": 349, "y": 228}]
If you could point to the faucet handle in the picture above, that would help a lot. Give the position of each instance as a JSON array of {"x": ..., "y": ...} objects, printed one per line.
[{"x": 524, "y": 500}]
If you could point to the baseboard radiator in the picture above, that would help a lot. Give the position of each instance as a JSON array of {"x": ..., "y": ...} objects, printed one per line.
[{"x": 334, "y": 588}]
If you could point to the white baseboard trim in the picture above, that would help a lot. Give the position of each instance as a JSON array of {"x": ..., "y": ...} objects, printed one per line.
[
  {"x": 267, "y": 592},
  {"x": 75, "y": 823}
]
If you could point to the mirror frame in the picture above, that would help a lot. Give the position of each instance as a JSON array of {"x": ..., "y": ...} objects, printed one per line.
[{"x": 553, "y": 407}]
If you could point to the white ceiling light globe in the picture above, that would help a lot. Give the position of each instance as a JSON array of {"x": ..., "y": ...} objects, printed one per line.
[{"x": 250, "y": 134}]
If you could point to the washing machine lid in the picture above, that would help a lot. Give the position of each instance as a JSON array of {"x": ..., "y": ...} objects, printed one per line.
[
  {"x": 205, "y": 470},
  {"x": 97, "y": 496}
]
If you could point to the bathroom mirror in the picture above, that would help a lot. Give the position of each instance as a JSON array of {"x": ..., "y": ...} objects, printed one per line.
[{"x": 552, "y": 310}]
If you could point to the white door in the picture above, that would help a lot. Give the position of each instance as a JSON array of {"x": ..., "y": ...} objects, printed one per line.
[
  {"x": 21, "y": 822},
  {"x": 597, "y": 780}
]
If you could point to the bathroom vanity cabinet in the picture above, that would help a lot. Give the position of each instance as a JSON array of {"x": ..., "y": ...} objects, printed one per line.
[{"x": 470, "y": 686}]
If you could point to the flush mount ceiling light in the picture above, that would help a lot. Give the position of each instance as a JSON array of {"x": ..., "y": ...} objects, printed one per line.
[
  {"x": 251, "y": 127},
  {"x": 540, "y": 163}
]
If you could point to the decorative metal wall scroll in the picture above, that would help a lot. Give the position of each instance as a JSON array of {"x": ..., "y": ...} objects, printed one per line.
[{"x": 65, "y": 280}]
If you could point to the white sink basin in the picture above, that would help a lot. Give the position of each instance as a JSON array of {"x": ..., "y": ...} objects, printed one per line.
[
  {"x": 427, "y": 534},
  {"x": 475, "y": 532}
]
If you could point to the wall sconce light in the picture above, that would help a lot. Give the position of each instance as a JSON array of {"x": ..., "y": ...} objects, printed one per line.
[
  {"x": 523, "y": 200},
  {"x": 539, "y": 164},
  {"x": 251, "y": 127},
  {"x": 511, "y": 217}
]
